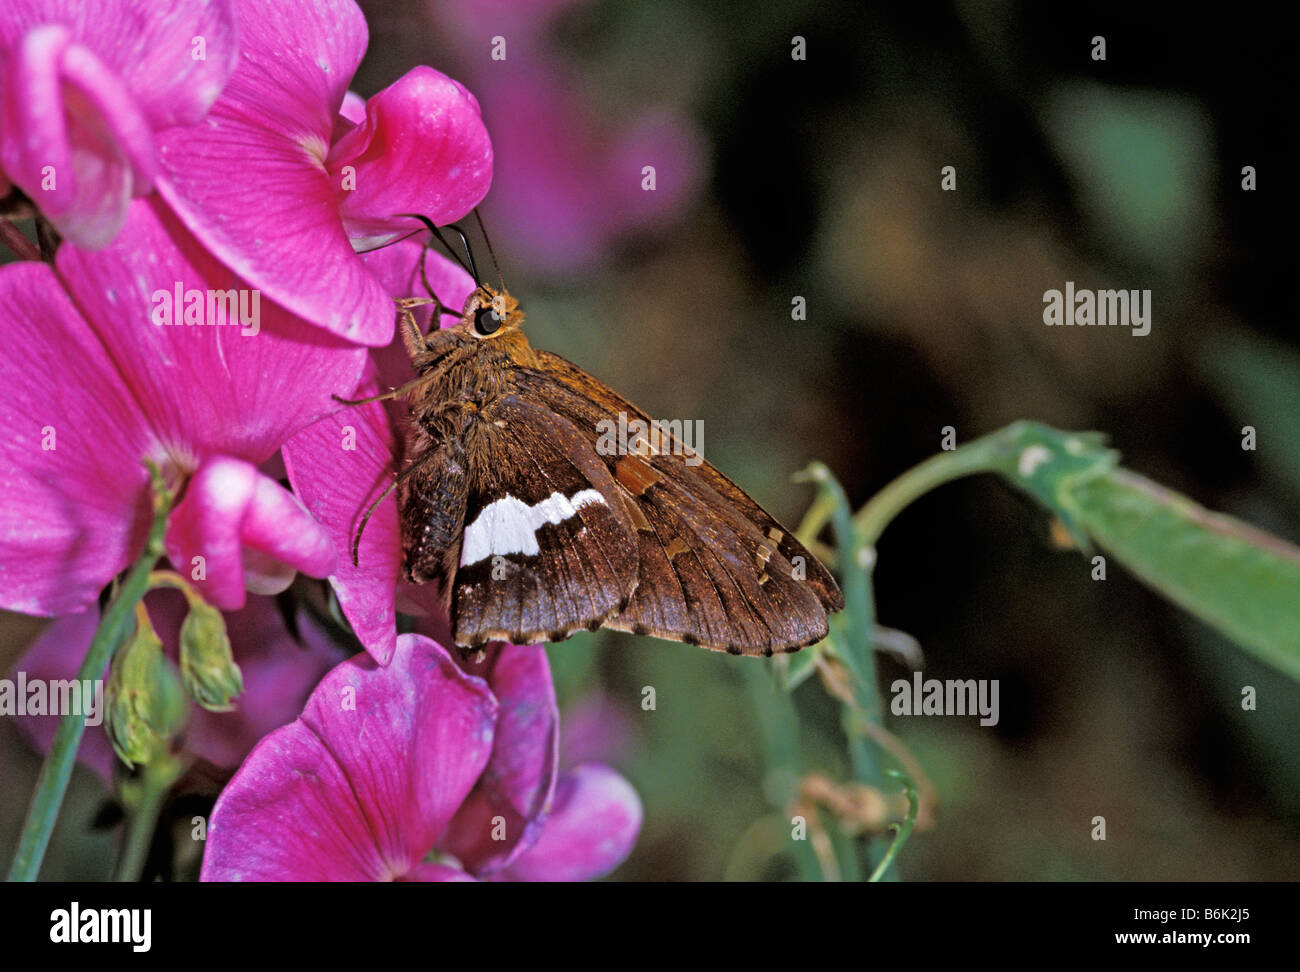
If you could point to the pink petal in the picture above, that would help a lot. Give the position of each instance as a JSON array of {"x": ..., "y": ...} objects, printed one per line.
[
  {"x": 148, "y": 44},
  {"x": 339, "y": 467},
  {"x": 75, "y": 140},
  {"x": 76, "y": 509},
  {"x": 360, "y": 786},
  {"x": 281, "y": 230},
  {"x": 590, "y": 831},
  {"x": 353, "y": 109},
  {"x": 81, "y": 91},
  {"x": 422, "y": 149},
  {"x": 229, "y": 508},
  {"x": 398, "y": 268},
  {"x": 233, "y": 389},
  {"x": 517, "y": 786}
]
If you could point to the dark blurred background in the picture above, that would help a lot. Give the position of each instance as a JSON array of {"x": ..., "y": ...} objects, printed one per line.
[{"x": 820, "y": 178}]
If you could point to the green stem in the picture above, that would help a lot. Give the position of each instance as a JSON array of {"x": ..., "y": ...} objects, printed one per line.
[
  {"x": 854, "y": 633},
  {"x": 856, "y": 537},
  {"x": 901, "y": 831},
  {"x": 778, "y": 725},
  {"x": 52, "y": 783},
  {"x": 981, "y": 455},
  {"x": 154, "y": 783}
]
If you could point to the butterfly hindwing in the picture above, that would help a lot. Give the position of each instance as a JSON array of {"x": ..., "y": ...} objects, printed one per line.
[
  {"x": 714, "y": 567},
  {"x": 736, "y": 591},
  {"x": 547, "y": 546}
]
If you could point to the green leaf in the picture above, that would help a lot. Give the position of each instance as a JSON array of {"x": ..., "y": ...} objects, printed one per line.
[
  {"x": 1236, "y": 578},
  {"x": 1240, "y": 580},
  {"x": 1051, "y": 465}
]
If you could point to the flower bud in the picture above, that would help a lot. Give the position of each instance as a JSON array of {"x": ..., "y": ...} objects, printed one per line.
[
  {"x": 207, "y": 666},
  {"x": 146, "y": 706}
]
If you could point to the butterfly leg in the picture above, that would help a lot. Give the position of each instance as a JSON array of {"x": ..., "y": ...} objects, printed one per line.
[
  {"x": 397, "y": 481},
  {"x": 391, "y": 393},
  {"x": 411, "y": 336}
]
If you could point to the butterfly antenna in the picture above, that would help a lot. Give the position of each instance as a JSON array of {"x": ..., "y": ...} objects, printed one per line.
[
  {"x": 491, "y": 252},
  {"x": 437, "y": 233},
  {"x": 468, "y": 252}
]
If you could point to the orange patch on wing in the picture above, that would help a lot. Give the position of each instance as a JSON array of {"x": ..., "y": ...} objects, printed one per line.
[
  {"x": 676, "y": 547},
  {"x": 634, "y": 475}
]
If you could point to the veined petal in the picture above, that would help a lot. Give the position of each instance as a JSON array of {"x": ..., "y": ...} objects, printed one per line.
[
  {"x": 435, "y": 872},
  {"x": 279, "y": 228},
  {"x": 362, "y": 784},
  {"x": 230, "y": 508},
  {"x": 208, "y": 381},
  {"x": 76, "y": 508},
  {"x": 151, "y": 45},
  {"x": 339, "y": 467}
]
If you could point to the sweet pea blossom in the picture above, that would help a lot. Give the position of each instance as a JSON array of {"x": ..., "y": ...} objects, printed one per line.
[
  {"x": 279, "y": 673},
  {"x": 420, "y": 771},
  {"x": 93, "y": 386},
  {"x": 568, "y": 184},
  {"x": 285, "y": 189},
  {"x": 85, "y": 88}
]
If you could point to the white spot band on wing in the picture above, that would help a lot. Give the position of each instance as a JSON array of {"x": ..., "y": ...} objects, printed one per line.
[{"x": 509, "y": 525}]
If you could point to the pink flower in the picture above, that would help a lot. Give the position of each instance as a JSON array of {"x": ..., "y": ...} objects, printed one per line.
[
  {"x": 93, "y": 387},
  {"x": 339, "y": 485},
  {"x": 285, "y": 190},
  {"x": 567, "y": 191},
  {"x": 569, "y": 184},
  {"x": 85, "y": 89},
  {"x": 279, "y": 672},
  {"x": 389, "y": 773}
]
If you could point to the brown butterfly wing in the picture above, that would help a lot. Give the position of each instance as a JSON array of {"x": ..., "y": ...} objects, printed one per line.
[
  {"x": 547, "y": 547},
  {"x": 714, "y": 568}
]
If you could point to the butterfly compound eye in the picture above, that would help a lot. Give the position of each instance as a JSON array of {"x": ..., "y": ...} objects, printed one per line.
[{"x": 486, "y": 320}]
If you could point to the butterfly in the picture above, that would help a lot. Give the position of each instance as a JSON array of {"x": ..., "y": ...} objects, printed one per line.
[{"x": 534, "y": 529}]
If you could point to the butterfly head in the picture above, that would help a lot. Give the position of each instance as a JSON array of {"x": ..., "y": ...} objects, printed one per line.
[{"x": 490, "y": 313}]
